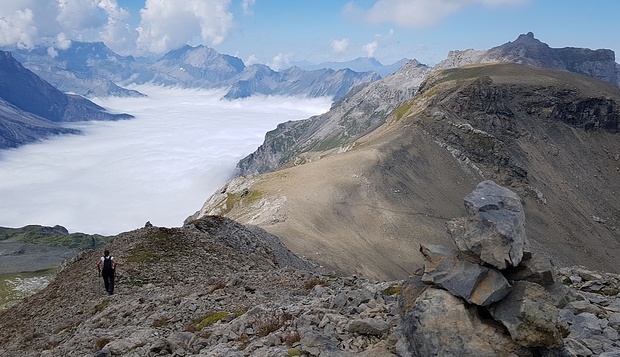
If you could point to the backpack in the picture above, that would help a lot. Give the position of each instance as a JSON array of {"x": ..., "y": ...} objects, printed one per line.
[{"x": 107, "y": 263}]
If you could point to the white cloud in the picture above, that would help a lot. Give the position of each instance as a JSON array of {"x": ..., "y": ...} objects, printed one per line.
[
  {"x": 252, "y": 59},
  {"x": 246, "y": 6},
  {"x": 416, "y": 13},
  {"x": 370, "y": 48},
  {"x": 150, "y": 168},
  {"x": 280, "y": 61},
  {"x": 18, "y": 29},
  {"x": 167, "y": 24},
  {"x": 76, "y": 16},
  {"x": 62, "y": 42},
  {"x": 340, "y": 46},
  {"x": 52, "y": 52},
  {"x": 117, "y": 34}
]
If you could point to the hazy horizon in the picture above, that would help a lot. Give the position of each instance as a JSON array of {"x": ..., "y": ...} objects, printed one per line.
[{"x": 158, "y": 167}]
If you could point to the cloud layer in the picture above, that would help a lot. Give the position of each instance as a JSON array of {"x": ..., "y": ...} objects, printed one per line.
[
  {"x": 159, "y": 167},
  {"x": 164, "y": 25}
]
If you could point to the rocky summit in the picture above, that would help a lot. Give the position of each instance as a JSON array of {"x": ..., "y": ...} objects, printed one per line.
[{"x": 215, "y": 287}]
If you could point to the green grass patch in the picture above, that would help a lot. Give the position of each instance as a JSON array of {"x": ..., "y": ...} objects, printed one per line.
[
  {"x": 102, "y": 305},
  {"x": 401, "y": 111},
  {"x": 56, "y": 236},
  {"x": 245, "y": 198},
  {"x": 211, "y": 319},
  {"x": 391, "y": 290}
]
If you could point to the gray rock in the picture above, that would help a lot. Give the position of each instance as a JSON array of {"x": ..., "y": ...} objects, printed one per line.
[
  {"x": 477, "y": 284},
  {"x": 529, "y": 315},
  {"x": 534, "y": 267},
  {"x": 610, "y": 354},
  {"x": 432, "y": 251},
  {"x": 441, "y": 324},
  {"x": 614, "y": 320},
  {"x": 586, "y": 325},
  {"x": 373, "y": 327},
  {"x": 315, "y": 343},
  {"x": 576, "y": 348},
  {"x": 495, "y": 228},
  {"x": 103, "y": 353}
]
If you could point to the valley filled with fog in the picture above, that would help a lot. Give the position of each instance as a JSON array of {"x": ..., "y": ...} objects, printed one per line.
[{"x": 159, "y": 167}]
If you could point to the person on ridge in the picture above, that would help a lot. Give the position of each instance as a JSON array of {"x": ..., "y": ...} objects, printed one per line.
[{"x": 109, "y": 266}]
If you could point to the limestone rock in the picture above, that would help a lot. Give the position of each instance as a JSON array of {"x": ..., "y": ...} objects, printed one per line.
[
  {"x": 475, "y": 283},
  {"x": 495, "y": 228},
  {"x": 529, "y": 315},
  {"x": 441, "y": 324}
]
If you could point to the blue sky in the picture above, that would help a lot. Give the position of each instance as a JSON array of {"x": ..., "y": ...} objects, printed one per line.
[{"x": 280, "y": 32}]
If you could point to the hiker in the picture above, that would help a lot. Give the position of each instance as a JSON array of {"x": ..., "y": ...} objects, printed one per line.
[{"x": 109, "y": 265}]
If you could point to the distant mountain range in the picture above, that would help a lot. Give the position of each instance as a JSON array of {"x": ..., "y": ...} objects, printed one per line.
[
  {"x": 31, "y": 108},
  {"x": 92, "y": 69},
  {"x": 360, "y": 64},
  {"x": 204, "y": 67}
]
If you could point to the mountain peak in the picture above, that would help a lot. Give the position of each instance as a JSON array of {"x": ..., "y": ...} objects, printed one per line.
[{"x": 527, "y": 40}]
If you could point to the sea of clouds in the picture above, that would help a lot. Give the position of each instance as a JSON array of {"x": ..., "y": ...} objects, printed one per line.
[{"x": 159, "y": 167}]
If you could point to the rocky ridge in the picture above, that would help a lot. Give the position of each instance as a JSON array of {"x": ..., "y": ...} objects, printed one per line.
[
  {"x": 548, "y": 135},
  {"x": 217, "y": 288},
  {"x": 364, "y": 109}
]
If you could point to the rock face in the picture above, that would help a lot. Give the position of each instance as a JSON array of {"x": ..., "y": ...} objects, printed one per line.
[{"x": 527, "y": 49}]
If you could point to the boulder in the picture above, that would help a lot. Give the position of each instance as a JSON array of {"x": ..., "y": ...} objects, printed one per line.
[
  {"x": 476, "y": 284},
  {"x": 530, "y": 316},
  {"x": 494, "y": 231},
  {"x": 441, "y": 324}
]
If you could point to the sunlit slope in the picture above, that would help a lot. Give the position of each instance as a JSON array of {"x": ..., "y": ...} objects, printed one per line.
[{"x": 548, "y": 135}]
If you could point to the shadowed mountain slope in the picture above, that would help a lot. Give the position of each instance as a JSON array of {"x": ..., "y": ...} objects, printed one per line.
[
  {"x": 30, "y": 107},
  {"x": 364, "y": 207}
]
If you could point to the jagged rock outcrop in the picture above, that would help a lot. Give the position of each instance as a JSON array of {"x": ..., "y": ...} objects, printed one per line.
[{"x": 527, "y": 49}]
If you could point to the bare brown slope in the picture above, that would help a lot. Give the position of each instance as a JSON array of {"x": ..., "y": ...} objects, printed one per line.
[{"x": 365, "y": 208}]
